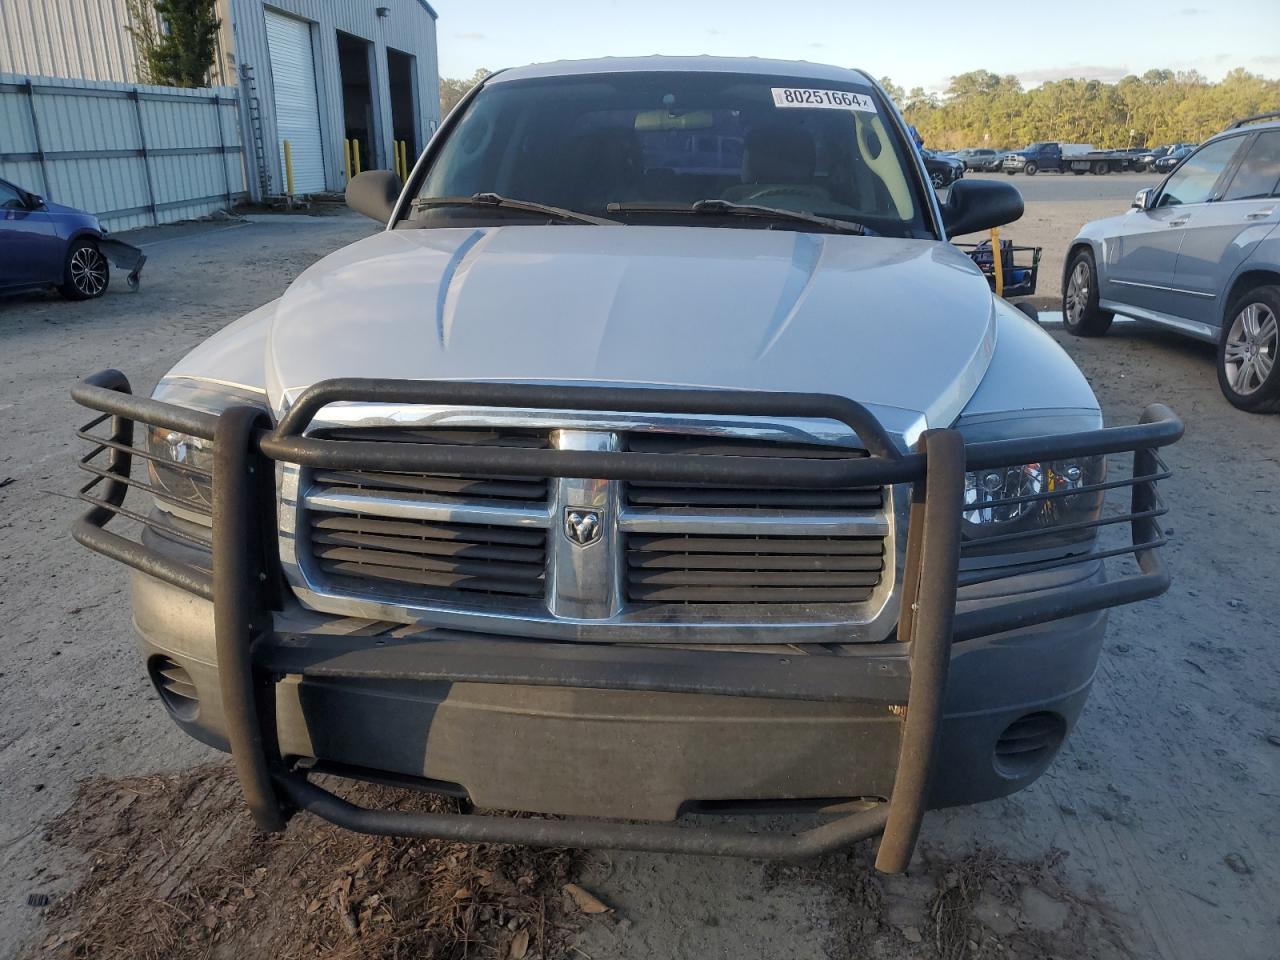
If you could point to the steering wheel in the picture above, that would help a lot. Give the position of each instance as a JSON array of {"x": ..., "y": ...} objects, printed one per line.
[{"x": 787, "y": 190}]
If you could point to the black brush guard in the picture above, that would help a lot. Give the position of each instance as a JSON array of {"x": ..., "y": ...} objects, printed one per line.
[{"x": 252, "y": 657}]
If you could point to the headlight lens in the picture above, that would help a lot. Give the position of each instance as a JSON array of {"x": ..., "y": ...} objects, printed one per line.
[
  {"x": 182, "y": 467},
  {"x": 1004, "y": 505}
]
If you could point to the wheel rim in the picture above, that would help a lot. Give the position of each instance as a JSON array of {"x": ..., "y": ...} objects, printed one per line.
[
  {"x": 1078, "y": 292},
  {"x": 1253, "y": 343},
  {"x": 88, "y": 271},
  {"x": 936, "y": 178}
]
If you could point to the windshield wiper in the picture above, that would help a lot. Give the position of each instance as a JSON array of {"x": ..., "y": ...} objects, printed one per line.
[
  {"x": 509, "y": 203},
  {"x": 729, "y": 208}
]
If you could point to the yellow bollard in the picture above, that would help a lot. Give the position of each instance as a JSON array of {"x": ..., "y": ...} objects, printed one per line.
[
  {"x": 346, "y": 157},
  {"x": 288, "y": 168},
  {"x": 997, "y": 261},
  {"x": 355, "y": 153}
]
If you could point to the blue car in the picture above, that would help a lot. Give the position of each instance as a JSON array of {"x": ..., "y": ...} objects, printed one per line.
[{"x": 45, "y": 244}]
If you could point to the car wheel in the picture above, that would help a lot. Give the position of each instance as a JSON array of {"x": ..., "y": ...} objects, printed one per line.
[
  {"x": 938, "y": 180},
  {"x": 86, "y": 272},
  {"x": 1249, "y": 351},
  {"x": 1030, "y": 169},
  {"x": 1081, "y": 314}
]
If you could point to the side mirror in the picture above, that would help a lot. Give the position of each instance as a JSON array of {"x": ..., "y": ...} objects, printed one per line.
[
  {"x": 34, "y": 201},
  {"x": 974, "y": 205},
  {"x": 374, "y": 193},
  {"x": 1142, "y": 201}
]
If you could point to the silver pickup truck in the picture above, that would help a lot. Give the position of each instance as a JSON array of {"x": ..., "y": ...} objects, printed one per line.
[{"x": 660, "y": 456}]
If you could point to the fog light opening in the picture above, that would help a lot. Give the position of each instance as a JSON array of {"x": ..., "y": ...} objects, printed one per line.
[
  {"x": 1027, "y": 744},
  {"x": 174, "y": 685}
]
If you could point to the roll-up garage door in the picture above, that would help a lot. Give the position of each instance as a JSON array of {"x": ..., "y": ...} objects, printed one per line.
[{"x": 293, "y": 81}]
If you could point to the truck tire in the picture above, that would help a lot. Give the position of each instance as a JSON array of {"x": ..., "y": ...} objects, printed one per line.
[
  {"x": 86, "y": 273},
  {"x": 1011, "y": 172},
  {"x": 1030, "y": 169},
  {"x": 1081, "y": 315},
  {"x": 1078, "y": 172},
  {"x": 1100, "y": 167},
  {"x": 1249, "y": 351}
]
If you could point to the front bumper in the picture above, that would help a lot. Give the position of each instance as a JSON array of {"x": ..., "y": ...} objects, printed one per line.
[
  {"x": 580, "y": 751},
  {"x": 602, "y": 729}
]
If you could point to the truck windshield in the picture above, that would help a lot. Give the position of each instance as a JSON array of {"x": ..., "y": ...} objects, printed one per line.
[{"x": 647, "y": 147}]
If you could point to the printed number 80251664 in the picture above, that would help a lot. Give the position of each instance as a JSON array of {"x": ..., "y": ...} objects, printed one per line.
[{"x": 806, "y": 97}]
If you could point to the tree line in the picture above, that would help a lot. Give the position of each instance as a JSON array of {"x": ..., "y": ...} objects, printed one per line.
[{"x": 982, "y": 109}]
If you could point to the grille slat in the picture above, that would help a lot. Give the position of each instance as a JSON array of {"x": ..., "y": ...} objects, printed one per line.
[
  {"x": 435, "y": 531},
  {"x": 748, "y": 595},
  {"x": 694, "y": 543},
  {"x": 467, "y": 551},
  {"x": 445, "y": 581},
  {"x": 754, "y": 561},
  {"x": 441, "y": 485},
  {"x": 747, "y": 578},
  {"x": 414, "y": 561}
]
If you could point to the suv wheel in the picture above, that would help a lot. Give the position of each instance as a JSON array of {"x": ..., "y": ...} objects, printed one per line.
[
  {"x": 1081, "y": 314},
  {"x": 1030, "y": 169},
  {"x": 86, "y": 272},
  {"x": 1249, "y": 351}
]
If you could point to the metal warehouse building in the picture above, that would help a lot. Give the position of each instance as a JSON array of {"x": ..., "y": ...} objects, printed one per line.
[{"x": 317, "y": 73}]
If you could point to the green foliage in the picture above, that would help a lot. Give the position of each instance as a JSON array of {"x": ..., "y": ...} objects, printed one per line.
[
  {"x": 144, "y": 30},
  {"x": 980, "y": 108},
  {"x": 183, "y": 53},
  {"x": 453, "y": 89}
]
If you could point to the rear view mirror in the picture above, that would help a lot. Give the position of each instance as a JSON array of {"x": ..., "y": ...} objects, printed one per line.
[
  {"x": 974, "y": 205},
  {"x": 374, "y": 193},
  {"x": 1143, "y": 199},
  {"x": 34, "y": 201},
  {"x": 666, "y": 120}
]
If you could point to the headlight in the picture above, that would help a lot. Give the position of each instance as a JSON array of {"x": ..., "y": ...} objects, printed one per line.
[
  {"x": 182, "y": 468},
  {"x": 1029, "y": 507},
  {"x": 1005, "y": 506}
]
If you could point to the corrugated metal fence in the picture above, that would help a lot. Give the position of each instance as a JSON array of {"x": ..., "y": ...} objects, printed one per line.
[{"x": 134, "y": 155}]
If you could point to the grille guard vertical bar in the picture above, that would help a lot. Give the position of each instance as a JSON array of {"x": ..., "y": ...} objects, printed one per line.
[
  {"x": 928, "y": 608},
  {"x": 248, "y": 699}
]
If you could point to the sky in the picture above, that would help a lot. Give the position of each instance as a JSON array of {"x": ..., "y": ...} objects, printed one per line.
[{"x": 915, "y": 44}]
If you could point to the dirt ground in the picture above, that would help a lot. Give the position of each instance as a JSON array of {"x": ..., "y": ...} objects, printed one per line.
[{"x": 1154, "y": 833}]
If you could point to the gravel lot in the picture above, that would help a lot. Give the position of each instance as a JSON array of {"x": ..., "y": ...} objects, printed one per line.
[{"x": 1154, "y": 834}]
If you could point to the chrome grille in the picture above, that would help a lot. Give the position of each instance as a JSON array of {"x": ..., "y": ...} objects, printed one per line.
[{"x": 672, "y": 563}]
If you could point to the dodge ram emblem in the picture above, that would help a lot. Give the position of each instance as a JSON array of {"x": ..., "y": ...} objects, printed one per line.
[{"x": 582, "y": 526}]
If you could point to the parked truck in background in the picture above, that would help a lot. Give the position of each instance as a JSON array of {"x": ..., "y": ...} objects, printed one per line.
[{"x": 1079, "y": 158}]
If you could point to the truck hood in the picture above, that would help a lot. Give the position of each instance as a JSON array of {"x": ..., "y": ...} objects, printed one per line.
[{"x": 905, "y": 326}]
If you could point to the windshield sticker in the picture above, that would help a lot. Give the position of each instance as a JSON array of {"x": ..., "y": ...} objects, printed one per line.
[{"x": 807, "y": 98}]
